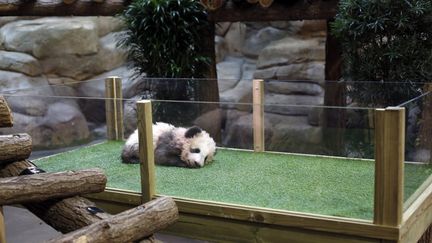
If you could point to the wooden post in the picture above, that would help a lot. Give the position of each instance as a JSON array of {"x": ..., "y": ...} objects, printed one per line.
[
  {"x": 146, "y": 154},
  {"x": 114, "y": 108},
  {"x": 2, "y": 227},
  {"x": 389, "y": 165},
  {"x": 258, "y": 114}
]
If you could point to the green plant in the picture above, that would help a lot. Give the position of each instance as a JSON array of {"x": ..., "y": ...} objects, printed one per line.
[
  {"x": 389, "y": 41},
  {"x": 165, "y": 40}
]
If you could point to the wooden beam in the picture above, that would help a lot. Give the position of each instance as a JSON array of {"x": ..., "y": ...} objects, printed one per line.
[
  {"x": 60, "y": 8},
  {"x": 128, "y": 226},
  {"x": 296, "y": 10},
  {"x": 258, "y": 115},
  {"x": 6, "y": 119},
  {"x": 417, "y": 217},
  {"x": 389, "y": 165},
  {"x": 15, "y": 147},
  {"x": 2, "y": 227},
  {"x": 114, "y": 108},
  {"x": 44, "y": 186},
  {"x": 146, "y": 152},
  {"x": 256, "y": 215}
]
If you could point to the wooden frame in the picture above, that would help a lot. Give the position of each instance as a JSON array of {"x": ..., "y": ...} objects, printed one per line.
[
  {"x": 210, "y": 220},
  {"x": 114, "y": 108},
  {"x": 258, "y": 115}
]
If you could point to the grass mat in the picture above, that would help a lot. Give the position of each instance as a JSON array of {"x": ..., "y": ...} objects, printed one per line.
[{"x": 329, "y": 186}]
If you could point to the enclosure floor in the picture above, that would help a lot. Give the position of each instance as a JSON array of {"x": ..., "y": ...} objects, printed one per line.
[{"x": 328, "y": 186}]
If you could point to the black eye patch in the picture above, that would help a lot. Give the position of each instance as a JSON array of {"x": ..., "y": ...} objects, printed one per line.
[{"x": 195, "y": 151}]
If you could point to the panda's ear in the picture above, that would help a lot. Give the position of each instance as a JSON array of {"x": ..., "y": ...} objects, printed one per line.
[{"x": 191, "y": 132}]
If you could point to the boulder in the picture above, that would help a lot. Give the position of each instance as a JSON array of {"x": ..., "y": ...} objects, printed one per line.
[
  {"x": 297, "y": 71},
  {"x": 229, "y": 72},
  {"x": 19, "y": 62},
  {"x": 235, "y": 38},
  {"x": 51, "y": 37},
  {"x": 242, "y": 92},
  {"x": 63, "y": 125},
  {"x": 221, "y": 28},
  {"x": 107, "y": 24},
  {"x": 220, "y": 49},
  {"x": 299, "y": 105},
  {"x": 84, "y": 67},
  {"x": 291, "y": 50},
  {"x": 256, "y": 40},
  {"x": 294, "y": 87},
  {"x": 62, "y": 81}
]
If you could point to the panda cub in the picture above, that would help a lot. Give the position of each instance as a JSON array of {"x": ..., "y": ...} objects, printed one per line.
[{"x": 174, "y": 146}]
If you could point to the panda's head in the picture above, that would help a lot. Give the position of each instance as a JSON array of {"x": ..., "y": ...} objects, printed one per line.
[{"x": 199, "y": 148}]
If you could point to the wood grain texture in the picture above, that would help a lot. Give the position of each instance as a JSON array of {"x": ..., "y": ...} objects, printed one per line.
[
  {"x": 114, "y": 108},
  {"x": 258, "y": 115},
  {"x": 44, "y": 186},
  {"x": 6, "y": 118},
  {"x": 15, "y": 147},
  {"x": 64, "y": 215},
  {"x": 389, "y": 165},
  {"x": 128, "y": 226},
  {"x": 279, "y": 10},
  {"x": 60, "y": 8},
  {"x": 417, "y": 217},
  {"x": 146, "y": 152},
  {"x": 2, "y": 227}
]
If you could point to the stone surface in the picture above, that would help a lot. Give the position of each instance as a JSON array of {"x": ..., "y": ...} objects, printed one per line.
[
  {"x": 242, "y": 92},
  {"x": 220, "y": 49},
  {"x": 291, "y": 104},
  {"x": 48, "y": 37},
  {"x": 221, "y": 28},
  {"x": 291, "y": 50},
  {"x": 235, "y": 38},
  {"x": 256, "y": 40},
  {"x": 19, "y": 62},
  {"x": 295, "y": 87},
  {"x": 296, "y": 71},
  {"x": 107, "y": 24},
  {"x": 83, "y": 67},
  {"x": 229, "y": 73}
]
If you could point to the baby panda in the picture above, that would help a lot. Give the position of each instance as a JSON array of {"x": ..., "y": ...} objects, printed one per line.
[{"x": 174, "y": 146}]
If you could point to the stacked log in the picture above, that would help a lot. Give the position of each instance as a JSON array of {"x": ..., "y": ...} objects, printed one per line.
[{"x": 52, "y": 197}]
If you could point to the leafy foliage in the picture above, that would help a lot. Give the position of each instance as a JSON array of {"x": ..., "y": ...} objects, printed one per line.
[
  {"x": 165, "y": 39},
  {"x": 388, "y": 41}
]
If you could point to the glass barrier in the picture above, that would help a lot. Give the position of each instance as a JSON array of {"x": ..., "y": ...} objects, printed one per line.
[
  {"x": 318, "y": 139},
  {"x": 418, "y": 144}
]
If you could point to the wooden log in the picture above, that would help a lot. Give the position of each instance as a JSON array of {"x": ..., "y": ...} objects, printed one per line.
[
  {"x": 114, "y": 108},
  {"x": 65, "y": 215},
  {"x": 60, "y": 8},
  {"x": 258, "y": 115},
  {"x": 279, "y": 10},
  {"x": 41, "y": 187},
  {"x": 15, "y": 147},
  {"x": 128, "y": 226},
  {"x": 146, "y": 154},
  {"x": 6, "y": 119},
  {"x": 389, "y": 165}
]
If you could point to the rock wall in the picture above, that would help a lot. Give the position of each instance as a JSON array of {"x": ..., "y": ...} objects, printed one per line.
[
  {"x": 46, "y": 58},
  {"x": 290, "y": 55}
]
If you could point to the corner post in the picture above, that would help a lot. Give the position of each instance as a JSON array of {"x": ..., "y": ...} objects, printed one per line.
[
  {"x": 146, "y": 154},
  {"x": 258, "y": 114},
  {"x": 114, "y": 108},
  {"x": 389, "y": 165}
]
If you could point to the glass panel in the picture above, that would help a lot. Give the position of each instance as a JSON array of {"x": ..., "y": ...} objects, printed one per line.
[{"x": 418, "y": 144}]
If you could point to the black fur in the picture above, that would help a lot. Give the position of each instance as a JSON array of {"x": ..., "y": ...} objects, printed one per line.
[
  {"x": 191, "y": 132},
  {"x": 167, "y": 152},
  {"x": 130, "y": 155}
]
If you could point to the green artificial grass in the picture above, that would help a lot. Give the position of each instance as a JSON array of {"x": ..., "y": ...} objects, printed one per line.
[{"x": 329, "y": 186}]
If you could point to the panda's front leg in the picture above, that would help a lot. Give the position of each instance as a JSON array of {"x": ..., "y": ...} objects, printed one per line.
[{"x": 169, "y": 156}]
